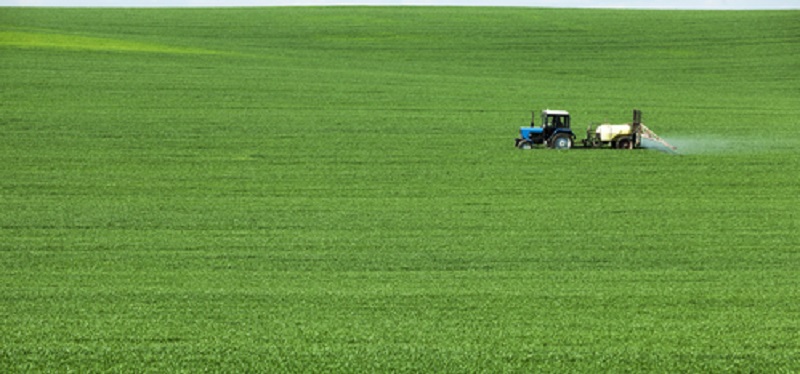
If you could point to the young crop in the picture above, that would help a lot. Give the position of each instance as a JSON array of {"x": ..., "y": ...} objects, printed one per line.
[{"x": 336, "y": 189}]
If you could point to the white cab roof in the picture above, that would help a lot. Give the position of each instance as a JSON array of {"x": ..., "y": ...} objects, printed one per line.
[{"x": 551, "y": 112}]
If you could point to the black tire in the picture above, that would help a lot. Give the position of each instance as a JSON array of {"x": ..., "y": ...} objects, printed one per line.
[
  {"x": 525, "y": 145},
  {"x": 562, "y": 142},
  {"x": 625, "y": 143}
]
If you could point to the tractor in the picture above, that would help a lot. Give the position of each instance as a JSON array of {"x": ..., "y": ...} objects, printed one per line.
[{"x": 555, "y": 131}]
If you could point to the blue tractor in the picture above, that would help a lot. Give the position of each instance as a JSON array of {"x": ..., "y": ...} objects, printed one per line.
[{"x": 554, "y": 132}]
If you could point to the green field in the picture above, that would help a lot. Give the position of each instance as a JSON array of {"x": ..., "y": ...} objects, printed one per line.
[{"x": 336, "y": 189}]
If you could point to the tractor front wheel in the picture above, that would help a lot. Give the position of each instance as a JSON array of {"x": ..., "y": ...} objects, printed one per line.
[
  {"x": 562, "y": 142},
  {"x": 525, "y": 145},
  {"x": 625, "y": 143}
]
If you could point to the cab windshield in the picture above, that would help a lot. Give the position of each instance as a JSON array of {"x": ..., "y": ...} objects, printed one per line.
[{"x": 555, "y": 121}]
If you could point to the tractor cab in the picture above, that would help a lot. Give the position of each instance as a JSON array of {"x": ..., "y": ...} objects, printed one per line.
[
  {"x": 554, "y": 119},
  {"x": 554, "y": 132}
]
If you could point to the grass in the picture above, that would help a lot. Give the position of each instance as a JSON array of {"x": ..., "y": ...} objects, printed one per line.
[
  {"x": 335, "y": 189},
  {"x": 17, "y": 39}
]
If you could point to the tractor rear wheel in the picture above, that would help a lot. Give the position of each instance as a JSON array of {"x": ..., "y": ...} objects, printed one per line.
[{"x": 562, "y": 142}]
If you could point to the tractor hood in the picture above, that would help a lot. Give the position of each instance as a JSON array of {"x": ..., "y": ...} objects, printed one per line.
[{"x": 526, "y": 132}]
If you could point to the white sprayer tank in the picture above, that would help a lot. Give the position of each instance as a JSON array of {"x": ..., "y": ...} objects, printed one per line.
[{"x": 609, "y": 132}]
